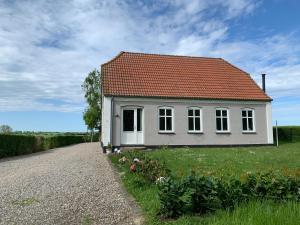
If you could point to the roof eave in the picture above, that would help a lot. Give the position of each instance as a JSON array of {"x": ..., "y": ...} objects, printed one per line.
[{"x": 193, "y": 98}]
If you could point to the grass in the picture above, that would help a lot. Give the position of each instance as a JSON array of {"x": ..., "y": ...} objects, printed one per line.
[
  {"x": 87, "y": 220},
  {"x": 220, "y": 161},
  {"x": 25, "y": 202},
  {"x": 253, "y": 213}
]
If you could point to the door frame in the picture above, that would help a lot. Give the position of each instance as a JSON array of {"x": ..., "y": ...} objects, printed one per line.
[{"x": 133, "y": 107}]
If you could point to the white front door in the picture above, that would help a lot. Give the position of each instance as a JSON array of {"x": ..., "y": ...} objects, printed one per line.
[{"x": 132, "y": 126}]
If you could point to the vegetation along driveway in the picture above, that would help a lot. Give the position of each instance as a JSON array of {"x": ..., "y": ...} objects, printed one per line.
[{"x": 71, "y": 185}]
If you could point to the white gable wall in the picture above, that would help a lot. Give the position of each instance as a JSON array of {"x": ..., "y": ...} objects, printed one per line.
[{"x": 269, "y": 122}]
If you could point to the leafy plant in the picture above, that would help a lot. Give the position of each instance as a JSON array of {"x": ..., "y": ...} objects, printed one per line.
[
  {"x": 152, "y": 169},
  {"x": 203, "y": 194},
  {"x": 149, "y": 168}
]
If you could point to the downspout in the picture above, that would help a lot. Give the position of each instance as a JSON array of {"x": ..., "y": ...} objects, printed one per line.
[
  {"x": 101, "y": 104},
  {"x": 112, "y": 124}
]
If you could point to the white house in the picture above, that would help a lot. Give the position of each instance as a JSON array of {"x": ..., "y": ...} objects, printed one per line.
[{"x": 154, "y": 100}]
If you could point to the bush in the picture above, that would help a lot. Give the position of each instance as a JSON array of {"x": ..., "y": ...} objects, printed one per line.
[
  {"x": 149, "y": 168},
  {"x": 13, "y": 145},
  {"x": 203, "y": 194}
]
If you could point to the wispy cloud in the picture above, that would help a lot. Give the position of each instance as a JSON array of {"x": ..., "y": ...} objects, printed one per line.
[{"x": 48, "y": 47}]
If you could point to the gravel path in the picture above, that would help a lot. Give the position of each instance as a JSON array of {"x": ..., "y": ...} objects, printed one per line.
[{"x": 71, "y": 185}]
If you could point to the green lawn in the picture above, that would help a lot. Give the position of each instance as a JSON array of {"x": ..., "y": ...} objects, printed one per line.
[{"x": 220, "y": 161}]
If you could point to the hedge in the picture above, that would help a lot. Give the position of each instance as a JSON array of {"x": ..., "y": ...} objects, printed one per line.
[
  {"x": 13, "y": 145},
  {"x": 287, "y": 133},
  {"x": 49, "y": 142}
]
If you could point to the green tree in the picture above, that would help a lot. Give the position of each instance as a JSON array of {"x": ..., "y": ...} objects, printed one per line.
[
  {"x": 5, "y": 129},
  {"x": 92, "y": 114}
]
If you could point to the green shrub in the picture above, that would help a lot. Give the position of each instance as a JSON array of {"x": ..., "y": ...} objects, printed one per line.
[
  {"x": 149, "y": 168},
  {"x": 203, "y": 194},
  {"x": 152, "y": 169},
  {"x": 272, "y": 186}
]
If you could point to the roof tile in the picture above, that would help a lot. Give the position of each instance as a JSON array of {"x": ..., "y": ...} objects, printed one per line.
[{"x": 153, "y": 75}]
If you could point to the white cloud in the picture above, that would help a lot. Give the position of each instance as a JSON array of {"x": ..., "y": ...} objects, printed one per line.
[{"x": 48, "y": 47}]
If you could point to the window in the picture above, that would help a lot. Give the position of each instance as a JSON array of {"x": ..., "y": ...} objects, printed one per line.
[
  {"x": 128, "y": 121},
  {"x": 166, "y": 119},
  {"x": 194, "y": 120},
  {"x": 222, "y": 120},
  {"x": 248, "y": 120}
]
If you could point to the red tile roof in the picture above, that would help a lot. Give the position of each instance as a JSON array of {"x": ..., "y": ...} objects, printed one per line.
[{"x": 153, "y": 75}]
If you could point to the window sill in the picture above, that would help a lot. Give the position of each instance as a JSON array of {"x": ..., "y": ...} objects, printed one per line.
[
  {"x": 166, "y": 132},
  {"x": 223, "y": 132},
  {"x": 249, "y": 132},
  {"x": 195, "y": 132}
]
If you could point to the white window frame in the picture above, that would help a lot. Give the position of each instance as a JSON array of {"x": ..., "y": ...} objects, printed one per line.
[
  {"x": 194, "y": 116},
  {"x": 172, "y": 120},
  {"x": 221, "y": 116},
  {"x": 247, "y": 117}
]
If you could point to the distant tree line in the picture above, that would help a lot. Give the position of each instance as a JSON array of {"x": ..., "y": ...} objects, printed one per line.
[{"x": 5, "y": 129}]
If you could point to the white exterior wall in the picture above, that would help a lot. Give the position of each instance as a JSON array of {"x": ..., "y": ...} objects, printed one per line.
[
  {"x": 106, "y": 120},
  {"x": 269, "y": 122},
  {"x": 209, "y": 136}
]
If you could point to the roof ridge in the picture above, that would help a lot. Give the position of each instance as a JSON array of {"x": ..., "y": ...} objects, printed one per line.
[{"x": 159, "y": 54}]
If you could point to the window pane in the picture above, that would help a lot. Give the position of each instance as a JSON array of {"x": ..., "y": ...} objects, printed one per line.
[
  {"x": 128, "y": 121},
  {"x": 191, "y": 123},
  {"x": 169, "y": 123},
  {"x": 191, "y": 112},
  {"x": 197, "y": 112},
  {"x": 169, "y": 112},
  {"x": 224, "y": 112},
  {"x": 250, "y": 120},
  {"x": 225, "y": 124},
  {"x": 218, "y": 113},
  {"x": 161, "y": 112},
  {"x": 162, "y": 123},
  {"x": 197, "y": 124},
  {"x": 218, "y": 123},
  {"x": 244, "y": 123},
  {"x": 139, "y": 119},
  {"x": 244, "y": 113},
  {"x": 249, "y": 113}
]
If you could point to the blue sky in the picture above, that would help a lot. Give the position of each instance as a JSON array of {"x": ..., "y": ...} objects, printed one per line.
[{"x": 48, "y": 47}]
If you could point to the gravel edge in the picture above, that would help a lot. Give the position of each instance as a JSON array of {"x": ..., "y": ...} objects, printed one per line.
[{"x": 136, "y": 209}]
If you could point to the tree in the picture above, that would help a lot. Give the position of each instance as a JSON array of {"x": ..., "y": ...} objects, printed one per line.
[
  {"x": 92, "y": 89},
  {"x": 5, "y": 129},
  {"x": 90, "y": 117}
]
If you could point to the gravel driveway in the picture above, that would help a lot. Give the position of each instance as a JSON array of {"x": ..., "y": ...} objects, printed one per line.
[{"x": 71, "y": 185}]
